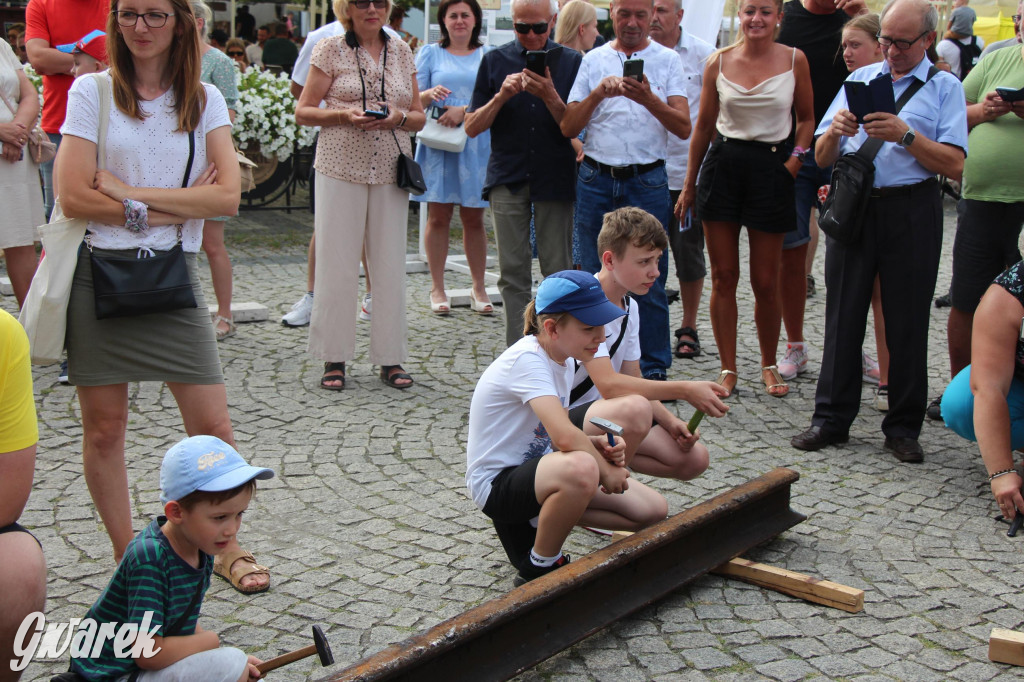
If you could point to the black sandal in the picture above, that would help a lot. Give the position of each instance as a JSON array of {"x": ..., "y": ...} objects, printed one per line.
[
  {"x": 687, "y": 349},
  {"x": 330, "y": 367},
  {"x": 390, "y": 379}
]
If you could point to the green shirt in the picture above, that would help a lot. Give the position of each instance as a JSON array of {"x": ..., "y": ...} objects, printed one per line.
[
  {"x": 150, "y": 578},
  {"x": 993, "y": 170}
]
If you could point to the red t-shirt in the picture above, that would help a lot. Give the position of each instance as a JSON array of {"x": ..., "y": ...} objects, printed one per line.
[{"x": 59, "y": 22}]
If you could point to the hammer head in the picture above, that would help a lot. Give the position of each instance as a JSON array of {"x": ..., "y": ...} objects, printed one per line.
[
  {"x": 323, "y": 649},
  {"x": 607, "y": 426}
]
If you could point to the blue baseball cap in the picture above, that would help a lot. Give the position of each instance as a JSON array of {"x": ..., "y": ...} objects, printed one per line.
[
  {"x": 204, "y": 463},
  {"x": 578, "y": 293},
  {"x": 93, "y": 44}
]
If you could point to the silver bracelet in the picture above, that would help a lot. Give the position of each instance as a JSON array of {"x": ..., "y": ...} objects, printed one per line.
[{"x": 1001, "y": 473}]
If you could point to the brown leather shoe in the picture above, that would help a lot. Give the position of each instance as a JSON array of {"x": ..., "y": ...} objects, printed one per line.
[
  {"x": 815, "y": 438},
  {"x": 905, "y": 449}
]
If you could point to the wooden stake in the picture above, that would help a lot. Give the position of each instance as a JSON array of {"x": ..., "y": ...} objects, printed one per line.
[
  {"x": 795, "y": 584},
  {"x": 1006, "y": 646}
]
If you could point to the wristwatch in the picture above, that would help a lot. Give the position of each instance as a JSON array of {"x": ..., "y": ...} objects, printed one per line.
[{"x": 908, "y": 138}]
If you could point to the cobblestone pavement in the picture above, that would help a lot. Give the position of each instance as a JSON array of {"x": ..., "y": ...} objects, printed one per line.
[{"x": 369, "y": 531}]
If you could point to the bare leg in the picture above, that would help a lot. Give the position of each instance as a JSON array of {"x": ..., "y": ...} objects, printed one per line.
[
  {"x": 565, "y": 482},
  {"x": 958, "y": 335},
  {"x": 311, "y": 264},
  {"x": 637, "y": 508},
  {"x": 439, "y": 218},
  {"x": 474, "y": 243},
  {"x": 765, "y": 249},
  {"x": 21, "y": 265},
  {"x": 104, "y": 420},
  {"x": 23, "y": 576},
  {"x": 793, "y": 291},
  {"x": 812, "y": 246},
  {"x": 722, "y": 241},
  {"x": 689, "y": 297},
  {"x": 220, "y": 269},
  {"x": 631, "y": 412},
  {"x": 660, "y": 455},
  {"x": 883, "y": 349},
  {"x": 366, "y": 270}
]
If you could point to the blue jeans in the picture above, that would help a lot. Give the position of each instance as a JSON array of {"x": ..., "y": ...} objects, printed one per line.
[
  {"x": 808, "y": 180},
  {"x": 46, "y": 170},
  {"x": 597, "y": 194}
]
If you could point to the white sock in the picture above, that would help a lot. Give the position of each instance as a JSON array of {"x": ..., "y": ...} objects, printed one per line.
[
  {"x": 796, "y": 344},
  {"x": 543, "y": 561}
]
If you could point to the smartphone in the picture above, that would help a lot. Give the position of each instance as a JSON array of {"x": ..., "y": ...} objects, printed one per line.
[
  {"x": 1010, "y": 95},
  {"x": 377, "y": 113},
  {"x": 633, "y": 68},
  {"x": 437, "y": 112},
  {"x": 536, "y": 61}
]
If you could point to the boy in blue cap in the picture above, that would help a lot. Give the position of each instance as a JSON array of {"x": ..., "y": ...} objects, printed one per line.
[
  {"x": 158, "y": 587},
  {"x": 529, "y": 469}
]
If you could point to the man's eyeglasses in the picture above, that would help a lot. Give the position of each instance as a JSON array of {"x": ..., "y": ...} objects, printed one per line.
[
  {"x": 150, "y": 19},
  {"x": 886, "y": 41},
  {"x": 538, "y": 28},
  {"x": 235, "y": 53},
  {"x": 365, "y": 4}
]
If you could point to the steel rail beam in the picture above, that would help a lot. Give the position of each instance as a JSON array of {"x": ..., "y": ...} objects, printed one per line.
[{"x": 512, "y": 633}]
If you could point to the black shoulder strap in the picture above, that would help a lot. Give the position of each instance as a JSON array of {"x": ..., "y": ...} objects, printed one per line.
[
  {"x": 191, "y": 157},
  {"x": 588, "y": 383},
  {"x": 869, "y": 149}
]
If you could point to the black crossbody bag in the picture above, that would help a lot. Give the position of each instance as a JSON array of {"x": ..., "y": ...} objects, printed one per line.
[
  {"x": 126, "y": 286},
  {"x": 853, "y": 177}
]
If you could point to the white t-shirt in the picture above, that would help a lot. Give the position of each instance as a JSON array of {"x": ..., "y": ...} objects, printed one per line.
[
  {"x": 622, "y": 132},
  {"x": 694, "y": 53},
  {"x": 504, "y": 431},
  {"x": 948, "y": 50},
  {"x": 629, "y": 349},
  {"x": 147, "y": 153}
]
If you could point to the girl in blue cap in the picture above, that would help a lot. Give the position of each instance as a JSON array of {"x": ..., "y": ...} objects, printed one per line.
[{"x": 529, "y": 469}]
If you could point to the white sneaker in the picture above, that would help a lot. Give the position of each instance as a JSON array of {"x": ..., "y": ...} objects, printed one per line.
[
  {"x": 367, "y": 309},
  {"x": 794, "y": 362},
  {"x": 300, "y": 312},
  {"x": 882, "y": 398}
]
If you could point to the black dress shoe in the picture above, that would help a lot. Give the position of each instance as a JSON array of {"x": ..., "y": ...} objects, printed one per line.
[
  {"x": 905, "y": 449},
  {"x": 815, "y": 438}
]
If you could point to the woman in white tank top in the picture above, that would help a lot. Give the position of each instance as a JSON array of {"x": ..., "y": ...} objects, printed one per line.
[{"x": 751, "y": 92}]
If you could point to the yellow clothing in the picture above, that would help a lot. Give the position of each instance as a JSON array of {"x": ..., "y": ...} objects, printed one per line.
[{"x": 18, "y": 427}]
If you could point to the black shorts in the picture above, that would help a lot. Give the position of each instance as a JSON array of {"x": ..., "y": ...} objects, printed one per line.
[
  {"x": 17, "y": 528},
  {"x": 511, "y": 504},
  {"x": 578, "y": 414},
  {"x": 985, "y": 245},
  {"x": 687, "y": 245},
  {"x": 746, "y": 183}
]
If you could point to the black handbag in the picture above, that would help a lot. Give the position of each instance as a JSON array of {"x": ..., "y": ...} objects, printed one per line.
[
  {"x": 853, "y": 175},
  {"x": 127, "y": 286},
  {"x": 409, "y": 174}
]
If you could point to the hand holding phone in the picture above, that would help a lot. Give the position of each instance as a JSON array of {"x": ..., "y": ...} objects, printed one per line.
[
  {"x": 633, "y": 68},
  {"x": 1010, "y": 95},
  {"x": 380, "y": 113},
  {"x": 536, "y": 61}
]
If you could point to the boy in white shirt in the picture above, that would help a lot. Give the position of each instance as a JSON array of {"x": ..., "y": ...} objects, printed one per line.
[{"x": 630, "y": 244}]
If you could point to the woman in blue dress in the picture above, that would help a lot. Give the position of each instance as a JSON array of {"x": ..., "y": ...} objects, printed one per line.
[{"x": 446, "y": 72}]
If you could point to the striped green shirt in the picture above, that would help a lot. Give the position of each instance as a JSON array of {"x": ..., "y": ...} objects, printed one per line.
[{"x": 151, "y": 578}]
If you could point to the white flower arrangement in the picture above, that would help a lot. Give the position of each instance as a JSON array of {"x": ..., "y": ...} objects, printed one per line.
[
  {"x": 36, "y": 80},
  {"x": 265, "y": 114}
]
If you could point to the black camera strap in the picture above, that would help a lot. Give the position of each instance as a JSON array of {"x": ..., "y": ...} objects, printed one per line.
[{"x": 383, "y": 68}]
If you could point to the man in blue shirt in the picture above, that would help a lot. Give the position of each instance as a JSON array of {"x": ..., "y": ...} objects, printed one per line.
[
  {"x": 532, "y": 165},
  {"x": 901, "y": 239}
]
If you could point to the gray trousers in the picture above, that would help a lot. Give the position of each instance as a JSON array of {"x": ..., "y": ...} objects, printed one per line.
[
  {"x": 553, "y": 226},
  {"x": 225, "y": 664}
]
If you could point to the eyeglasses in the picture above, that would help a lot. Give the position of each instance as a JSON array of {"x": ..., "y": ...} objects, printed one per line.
[
  {"x": 886, "y": 41},
  {"x": 538, "y": 28},
  {"x": 365, "y": 4},
  {"x": 150, "y": 19},
  {"x": 1016, "y": 18},
  {"x": 235, "y": 53}
]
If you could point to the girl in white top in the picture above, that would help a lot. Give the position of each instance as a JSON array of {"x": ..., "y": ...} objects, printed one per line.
[
  {"x": 749, "y": 90},
  {"x": 138, "y": 203},
  {"x": 525, "y": 458}
]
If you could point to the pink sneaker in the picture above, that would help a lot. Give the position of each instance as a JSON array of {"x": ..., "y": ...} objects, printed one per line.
[
  {"x": 794, "y": 362},
  {"x": 870, "y": 367}
]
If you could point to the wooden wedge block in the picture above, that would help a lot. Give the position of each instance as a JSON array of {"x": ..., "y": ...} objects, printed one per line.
[
  {"x": 1006, "y": 646},
  {"x": 795, "y": 584},
  {"x": 620, "y": 534}
]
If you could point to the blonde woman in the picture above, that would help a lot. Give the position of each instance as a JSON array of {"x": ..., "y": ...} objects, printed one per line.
[{"x": 577, "y": 26}]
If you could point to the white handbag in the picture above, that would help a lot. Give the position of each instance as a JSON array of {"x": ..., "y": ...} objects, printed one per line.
[
  {"x": 437, "y": 136},
  {"x": 45, "y": 312}
]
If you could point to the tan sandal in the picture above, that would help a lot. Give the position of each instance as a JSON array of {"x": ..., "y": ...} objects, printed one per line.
[
  {"x": 725, "y": 374},
  {"x": 223, "y": 563},
  {"x": 780, "y": 388},
  {"x": 223, "y": 333}
]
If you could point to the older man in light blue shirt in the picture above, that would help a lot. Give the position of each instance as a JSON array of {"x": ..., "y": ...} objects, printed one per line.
[{"x": 902, "y": 235}]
